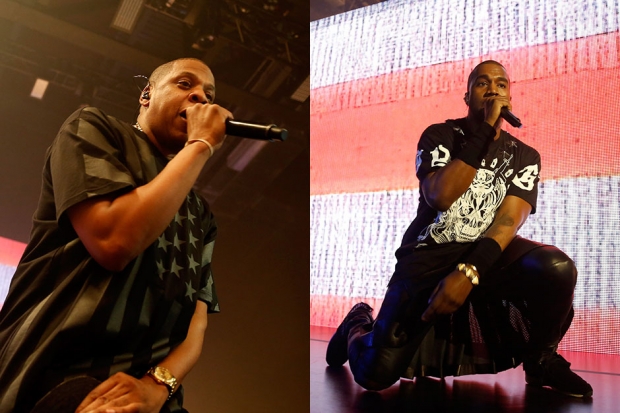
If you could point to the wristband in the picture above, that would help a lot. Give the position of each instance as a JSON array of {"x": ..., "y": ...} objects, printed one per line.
[
  {"x": 475, "y": 147},
  {"x": 484, "y": 255},
  {"x": 206, "y": 142}
]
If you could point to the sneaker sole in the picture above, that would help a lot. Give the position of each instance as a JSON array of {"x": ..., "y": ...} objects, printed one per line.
[{"x": 534, "y": 382}]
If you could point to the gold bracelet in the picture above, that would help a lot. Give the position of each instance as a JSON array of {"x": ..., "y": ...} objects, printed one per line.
[
  {"x": 470, "y": 271},
  {"x": 206, "y": 142}
]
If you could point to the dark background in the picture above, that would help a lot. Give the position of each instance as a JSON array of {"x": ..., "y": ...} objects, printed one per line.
[{"x": 255, "y": 357}]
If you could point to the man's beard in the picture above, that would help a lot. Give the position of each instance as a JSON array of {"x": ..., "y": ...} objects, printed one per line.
[{"x": 477, "y": 116}]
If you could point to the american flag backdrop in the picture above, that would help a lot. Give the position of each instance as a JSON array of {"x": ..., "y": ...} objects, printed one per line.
[
  {"x": 10, "y": 253},
  {"x": 381, "y": 74}
]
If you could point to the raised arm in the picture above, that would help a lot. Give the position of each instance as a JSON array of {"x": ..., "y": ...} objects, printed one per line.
[
  {"x": 442, "y": 187},
  {"x": 115, "y": 229}
]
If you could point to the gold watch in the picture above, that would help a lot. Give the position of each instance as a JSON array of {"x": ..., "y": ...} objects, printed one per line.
[
  {"x": 163, "y": 376},
  {"x": 470, "y": 272}
]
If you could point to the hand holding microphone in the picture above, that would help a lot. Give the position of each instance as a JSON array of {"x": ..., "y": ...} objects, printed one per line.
[
  {"x": 207, "y": 122},
  {"x": 504, "y": 112},
  {"x": 251, "y": 130}
]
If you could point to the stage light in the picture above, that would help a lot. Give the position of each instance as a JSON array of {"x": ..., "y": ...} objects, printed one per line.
[
  {"x": 303, "y": 91},
  {"x": 39, "y": 88},
  {"x": 204, "y": 41},
  {"x": 245, "y": 151},
  {"x": 127, "y": 15}
]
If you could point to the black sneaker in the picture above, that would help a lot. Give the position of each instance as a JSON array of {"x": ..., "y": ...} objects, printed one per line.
[
  {"x": 337, "y": 350},
  {"x": 554, "y": 371}
]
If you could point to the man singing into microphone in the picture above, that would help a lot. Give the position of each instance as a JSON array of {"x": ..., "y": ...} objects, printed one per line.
[
  {"x": 115, "y": 283},
  {"x": 469, "y": 295}
]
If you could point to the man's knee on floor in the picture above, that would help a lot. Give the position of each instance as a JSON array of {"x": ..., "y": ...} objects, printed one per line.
[
  {"x": 373, "y": 369},
  {"x": 371, "y": 384},
  {"x": 554, "y": 265}
]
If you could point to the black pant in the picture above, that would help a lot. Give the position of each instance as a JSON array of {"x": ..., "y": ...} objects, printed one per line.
[
  {"x": 67, "y": 396},
  {"x": 541, "y": 277}
]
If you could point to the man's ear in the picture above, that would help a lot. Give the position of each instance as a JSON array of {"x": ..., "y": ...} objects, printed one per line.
[
  {"x": 145, "y": 97},
  {"x": 466, "y": 98}
]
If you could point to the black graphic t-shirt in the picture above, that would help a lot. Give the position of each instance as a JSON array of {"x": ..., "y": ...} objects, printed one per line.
[
  {"x": 509, "y": 168},
  {"x": 65, "y": 315}
]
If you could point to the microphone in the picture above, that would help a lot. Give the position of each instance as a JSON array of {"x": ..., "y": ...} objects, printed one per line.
[
  {"x": 255, "y": 131},
  {"x": 509, "y": 117}
]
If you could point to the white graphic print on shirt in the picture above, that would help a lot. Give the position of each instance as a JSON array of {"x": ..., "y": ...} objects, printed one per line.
[
  {"x": 526, "y": 177},
  {"x": 471, "y": 215}
]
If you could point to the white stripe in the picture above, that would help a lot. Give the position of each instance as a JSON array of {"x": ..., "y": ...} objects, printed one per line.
[
  {"x": 6, "y": 274},
  {"x": 353, "y": 237},
  {"x": 403, "y": 34}
]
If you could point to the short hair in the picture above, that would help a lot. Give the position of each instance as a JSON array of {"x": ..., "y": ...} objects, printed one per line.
[
  {"x": 471, "y": 75},
  {"x": 164, "y": 69}
]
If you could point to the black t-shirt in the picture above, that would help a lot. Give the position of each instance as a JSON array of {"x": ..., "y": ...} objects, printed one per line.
[
  {"x": 510, "y": 167},
  {"x": 65, "y": 315}
]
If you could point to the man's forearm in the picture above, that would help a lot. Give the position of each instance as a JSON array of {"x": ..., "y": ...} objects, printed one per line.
[
  {"x": 185, "y": 356},
  {"x": 510, "y": 217},
  {"x": 442, "y": 188},
  {"x": 503, "y": 230}
]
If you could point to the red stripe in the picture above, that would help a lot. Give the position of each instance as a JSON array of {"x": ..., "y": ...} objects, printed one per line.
[
  {"x": 570, "y": 119},
  {"x": 11, "y": 251},
  {"x": 589, "y": 331},
  {"x": 524, "y": 64}
]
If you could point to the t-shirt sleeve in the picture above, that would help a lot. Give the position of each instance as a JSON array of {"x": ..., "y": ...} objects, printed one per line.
[
  {"x": 86, "y": 160},
  {"x": 524, "y": 181},
  {"x": 434, "y": 150},
  {"x": 207, "y": 291}
]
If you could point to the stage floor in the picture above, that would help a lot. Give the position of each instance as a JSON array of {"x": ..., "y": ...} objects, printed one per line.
[{"x": 332, "y": 390}]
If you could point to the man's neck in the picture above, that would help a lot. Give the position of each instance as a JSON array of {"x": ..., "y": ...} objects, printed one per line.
[{"x": 144, "y": 127}]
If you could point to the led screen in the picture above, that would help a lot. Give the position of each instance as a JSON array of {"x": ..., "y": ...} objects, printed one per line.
[
  {"x": 10, "y": 253},
  {"x": 381, "y": 74}
]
